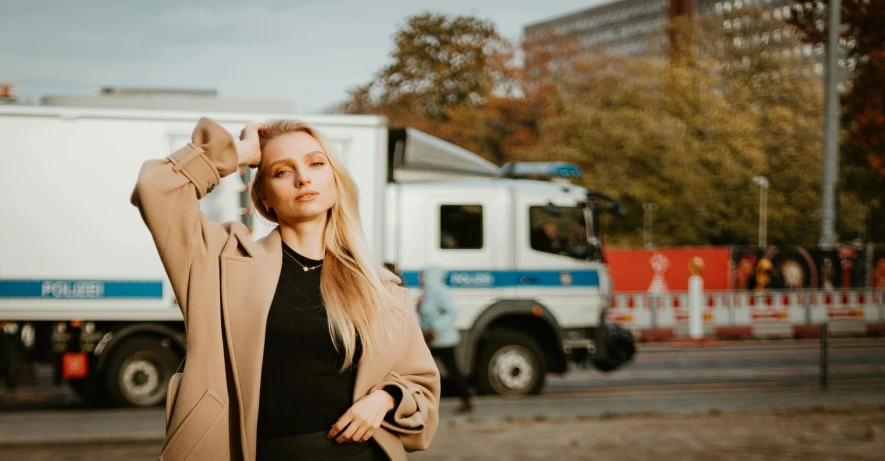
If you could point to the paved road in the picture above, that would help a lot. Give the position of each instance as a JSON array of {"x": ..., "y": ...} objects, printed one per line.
[
  {"x": 667, "y": 379},
  {"x": 658, "y": 367},
  {"x": 144, "y": 425},
  {"x": 732, "y": 365},
  {"x": 845, "y": 434}
]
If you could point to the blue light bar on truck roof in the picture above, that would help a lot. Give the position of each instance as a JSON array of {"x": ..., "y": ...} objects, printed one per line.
[{"x": 541, "y": 169}]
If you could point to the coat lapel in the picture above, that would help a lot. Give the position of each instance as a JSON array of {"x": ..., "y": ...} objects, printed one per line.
[{"x": 247, "y": 289}]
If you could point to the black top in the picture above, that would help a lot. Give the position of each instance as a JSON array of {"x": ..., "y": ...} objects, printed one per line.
[{"x": 302, "y": 390}]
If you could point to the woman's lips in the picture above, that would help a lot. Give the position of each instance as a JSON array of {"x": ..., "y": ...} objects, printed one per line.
[{"x": 306, "y": 196}]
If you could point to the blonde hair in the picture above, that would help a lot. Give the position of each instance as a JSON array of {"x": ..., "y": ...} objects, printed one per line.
[{"x": 352, "y": 290}]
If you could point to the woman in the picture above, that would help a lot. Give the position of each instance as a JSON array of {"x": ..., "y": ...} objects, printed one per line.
[
  {"x": 297, "y": 348},
  {"x": 437, "y": 316}
]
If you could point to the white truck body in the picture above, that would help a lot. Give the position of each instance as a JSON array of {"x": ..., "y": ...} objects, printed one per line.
[{"x": 73, "y": 246}]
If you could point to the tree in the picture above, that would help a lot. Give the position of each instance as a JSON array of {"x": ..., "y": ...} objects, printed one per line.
[
  {"x": 862, "y": 162},
  {"x": 451, "y": 77},
  {"x": 690, "y": 137}
]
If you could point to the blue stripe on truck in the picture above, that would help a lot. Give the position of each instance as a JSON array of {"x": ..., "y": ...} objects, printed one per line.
[
  {"x": 81, "y": 289},
  {"x": 500, "y": 279}
]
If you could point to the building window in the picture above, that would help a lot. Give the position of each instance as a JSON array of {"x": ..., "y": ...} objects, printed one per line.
[
  {"x": 818, "y": 69},
  {"x": 460, "y": 227},
  {"x": 786, "y": 12},
  {"x": 766, "y": 16},
  {"x": 777, "y": 15}
]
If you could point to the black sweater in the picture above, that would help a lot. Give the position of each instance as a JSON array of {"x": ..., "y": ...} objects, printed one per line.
[{"x": 302, "y": 389}]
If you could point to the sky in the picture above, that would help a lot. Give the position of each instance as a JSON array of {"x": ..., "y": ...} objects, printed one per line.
[{"x": 309, "y": 52}]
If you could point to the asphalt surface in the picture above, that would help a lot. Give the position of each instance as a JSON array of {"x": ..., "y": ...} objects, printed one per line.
[
  {"x": 665, "y": 379},
  {"x": 735, "y": 365}
]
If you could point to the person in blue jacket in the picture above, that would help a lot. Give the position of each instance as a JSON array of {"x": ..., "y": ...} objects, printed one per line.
[{"x": 437, "y": 313}]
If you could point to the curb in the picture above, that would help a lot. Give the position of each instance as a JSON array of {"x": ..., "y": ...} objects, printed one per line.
[{"x": 75, "y": 440}]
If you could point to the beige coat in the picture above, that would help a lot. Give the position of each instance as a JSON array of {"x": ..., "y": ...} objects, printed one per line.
[{"x": 224, "y": 283}]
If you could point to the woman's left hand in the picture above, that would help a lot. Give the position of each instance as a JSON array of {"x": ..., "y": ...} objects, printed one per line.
[{"x": 361, "y": 421}]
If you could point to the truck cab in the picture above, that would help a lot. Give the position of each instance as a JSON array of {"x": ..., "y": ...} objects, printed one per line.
[{"x": 523, "y": 263}]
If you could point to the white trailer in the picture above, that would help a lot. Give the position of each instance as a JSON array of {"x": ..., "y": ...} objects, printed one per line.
[{"x": 82, "y": 287}]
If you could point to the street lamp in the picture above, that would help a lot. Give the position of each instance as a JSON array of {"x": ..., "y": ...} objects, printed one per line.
[
  {"x": 762, "y": 182},
  {"x": 647, "y": 220}
]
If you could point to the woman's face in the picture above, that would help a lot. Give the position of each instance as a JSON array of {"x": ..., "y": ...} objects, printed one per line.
[{"x": 299, "y": 181}]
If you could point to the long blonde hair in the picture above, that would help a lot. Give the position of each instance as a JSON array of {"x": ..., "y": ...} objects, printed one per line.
[{"x": 354, "y": 295}]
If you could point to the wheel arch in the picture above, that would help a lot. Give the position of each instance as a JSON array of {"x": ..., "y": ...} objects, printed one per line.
[
  {"x": 518, "y": 314},
  {"x": 154, "y": 330}
]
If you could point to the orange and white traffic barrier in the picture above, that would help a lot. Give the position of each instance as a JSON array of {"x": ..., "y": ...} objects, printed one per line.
[{"x": 733, "y": 314}]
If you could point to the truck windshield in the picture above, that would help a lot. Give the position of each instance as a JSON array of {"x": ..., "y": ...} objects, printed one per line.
[{"x": 559, "y": 230}]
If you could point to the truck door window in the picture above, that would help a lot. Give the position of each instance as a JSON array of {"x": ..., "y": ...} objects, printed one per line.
[
  {"x": 460, "y": 227},
  {"x": 562, "y": 233}
]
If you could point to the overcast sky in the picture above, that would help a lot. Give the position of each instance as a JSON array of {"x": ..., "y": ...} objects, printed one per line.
[{"x": 305, "y": 51}]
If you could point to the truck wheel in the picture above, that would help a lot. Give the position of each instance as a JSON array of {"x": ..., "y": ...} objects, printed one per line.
[
  {"x": 138, "y": 373},
  {"x": 511, "y": 364}
]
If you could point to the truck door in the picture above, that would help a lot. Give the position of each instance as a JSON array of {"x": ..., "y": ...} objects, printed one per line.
[
  {"x": 551, "y": 264},
  {"x": 460, "y": 235}
]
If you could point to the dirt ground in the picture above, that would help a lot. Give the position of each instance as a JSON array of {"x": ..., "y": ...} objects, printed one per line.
[
  {"x": 818, "y": 434},
  {"x": 808, "y": 435}
]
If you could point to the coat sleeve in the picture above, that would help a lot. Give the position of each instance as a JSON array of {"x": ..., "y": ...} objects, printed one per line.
[
  {"x": 167, "y": 195},
  {"x": 414, "y": 378}
]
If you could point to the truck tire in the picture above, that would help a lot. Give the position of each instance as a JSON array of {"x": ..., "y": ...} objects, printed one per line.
[
  {"x": 511, "y": 364},
  {"x": 138, "y": 373}
]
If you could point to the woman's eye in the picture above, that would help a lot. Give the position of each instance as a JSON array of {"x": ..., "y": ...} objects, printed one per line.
[
  {"x": 281, "y": 173},
  {"x": 317, "y": 164}
]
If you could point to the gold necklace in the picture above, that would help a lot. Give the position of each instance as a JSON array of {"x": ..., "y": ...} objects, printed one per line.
[{"x": 306, "y": 268}]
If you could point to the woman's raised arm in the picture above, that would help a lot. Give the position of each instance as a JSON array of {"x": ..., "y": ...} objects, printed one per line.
[{"x": 168, "y": 191}]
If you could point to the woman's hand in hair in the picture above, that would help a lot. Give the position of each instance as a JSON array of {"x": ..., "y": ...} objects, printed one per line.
[
  {"x": 361, "y": 421},
  {"x": 249, "y": 147}
]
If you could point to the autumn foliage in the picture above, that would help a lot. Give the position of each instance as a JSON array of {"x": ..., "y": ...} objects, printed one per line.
[
  {"x": 687, "y": 132},
  {"x": 863, "y": 44}
]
